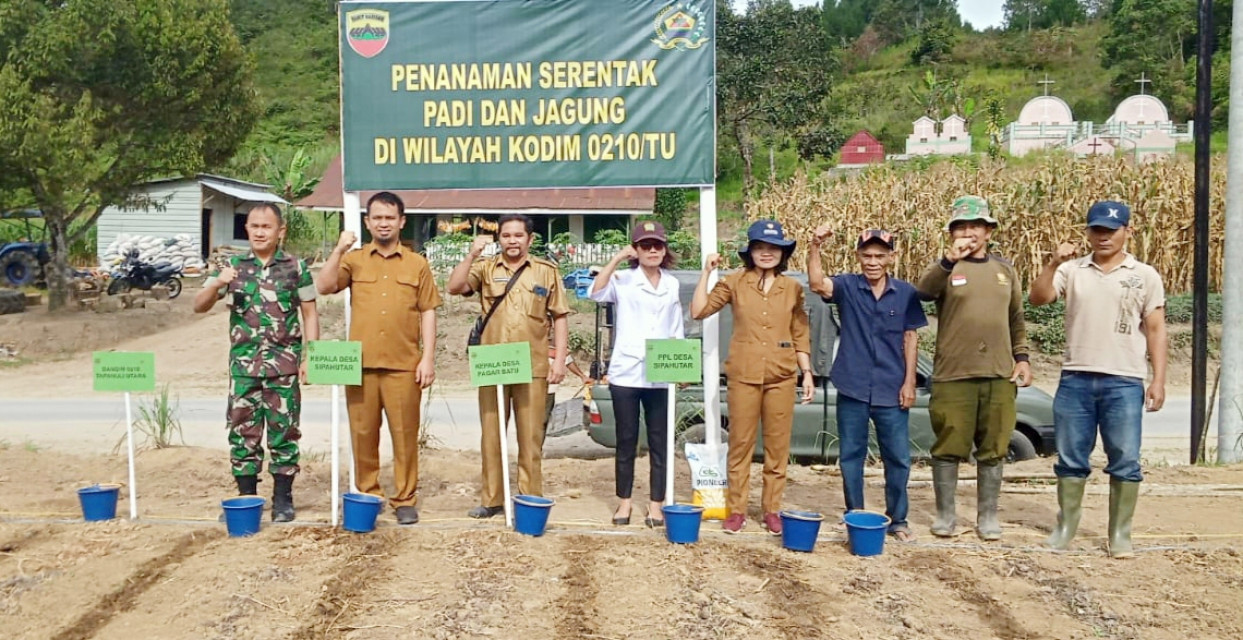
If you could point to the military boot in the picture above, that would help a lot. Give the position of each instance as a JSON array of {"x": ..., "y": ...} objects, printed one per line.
[
  {"x": 987, "y": 491},
  {"x": 247, "y": 485},
  {"x": 1122, "y": 498},
  {"x": 1070, "y": 508},
  {"x": 282, "y": 499},
  {"x": 944, "y": 484}
]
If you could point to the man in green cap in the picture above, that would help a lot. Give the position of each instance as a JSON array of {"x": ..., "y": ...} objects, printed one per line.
[{"x": 981, "y": 356}]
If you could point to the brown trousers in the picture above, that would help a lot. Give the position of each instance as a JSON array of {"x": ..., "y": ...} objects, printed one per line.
[
  {"x": 749, "y": 404},
  {"x": 526, "y": 402},
  {"x": 399, "y": 397}
]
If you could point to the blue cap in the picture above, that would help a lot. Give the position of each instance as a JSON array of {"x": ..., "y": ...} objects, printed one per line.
[
  {"x": 1109, "y": 214},
  {"x": 769, "y": 231}
]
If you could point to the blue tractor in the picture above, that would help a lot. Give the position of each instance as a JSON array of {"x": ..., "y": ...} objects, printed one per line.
[{"x": 23, "y": 257}]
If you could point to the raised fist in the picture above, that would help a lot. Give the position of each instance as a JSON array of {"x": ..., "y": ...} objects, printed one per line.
[
  {"x": 712, "y": 262},
  {"x": 226, "y": 276},
  {"x": 480, "y": 243},
  {"x": 346, "y": 241},
  {"x": 961, "y": 248},
  {"x": 627, "y": 253},
  {"x": 822, "y": 233},
  {"x": 1065, "y": 251}
]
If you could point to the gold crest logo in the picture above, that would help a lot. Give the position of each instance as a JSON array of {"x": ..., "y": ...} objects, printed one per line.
[{"x": 681, "y": 26}]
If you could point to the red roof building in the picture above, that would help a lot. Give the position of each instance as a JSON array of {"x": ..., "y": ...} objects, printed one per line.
[{"x": 862, "y": 148}]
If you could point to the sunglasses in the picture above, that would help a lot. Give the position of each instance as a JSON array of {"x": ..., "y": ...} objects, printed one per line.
[{"x": 649, "y": 245}]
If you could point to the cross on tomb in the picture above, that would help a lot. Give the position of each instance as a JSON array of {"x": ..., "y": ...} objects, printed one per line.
[
  {"x": 1143, "y": 80},
  {"x": 1046, "y": 82},
  {"x": 1096, "y": 144}
]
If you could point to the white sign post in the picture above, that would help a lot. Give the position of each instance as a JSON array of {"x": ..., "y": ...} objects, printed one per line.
[
  {"x": 500, "y": 365},
  {"x": 335, "y": 363},
  {"x": 126, "y": 371},
  {"x": 674, "y": 361}
]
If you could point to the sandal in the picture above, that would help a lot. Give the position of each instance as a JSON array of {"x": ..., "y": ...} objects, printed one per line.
[
  {"x": 654, "y": 519},
  {"x": 621, "y": 521},
  {"x": 902, "y": 534}
]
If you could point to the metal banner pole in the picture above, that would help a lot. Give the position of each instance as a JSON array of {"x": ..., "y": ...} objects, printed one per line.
[{"x": 670, "y": 426}]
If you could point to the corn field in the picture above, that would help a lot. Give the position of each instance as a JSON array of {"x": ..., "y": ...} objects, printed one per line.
[{"x": 1038, "y": 207}]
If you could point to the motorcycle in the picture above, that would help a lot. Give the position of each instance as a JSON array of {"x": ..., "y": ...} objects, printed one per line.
[{"x": 133, "y": 273}]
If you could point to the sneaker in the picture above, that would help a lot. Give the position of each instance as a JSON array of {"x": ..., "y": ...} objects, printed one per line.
[
  {"x": 772, "y": 522},
  {"x": 407, "y": 515},
  {"x": 734, "y": 523},
  {"x": 482, "y": 512}
]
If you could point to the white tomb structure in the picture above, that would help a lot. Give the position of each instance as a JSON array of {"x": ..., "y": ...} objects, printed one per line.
[
  {"x": 1140, "y": 125},
  {"x": 947, "y": 137}
]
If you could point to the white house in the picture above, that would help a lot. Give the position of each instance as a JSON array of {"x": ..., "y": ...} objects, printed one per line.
[
  {"x": 210, "y": 209},
  {"x": 948, "y": 137}
]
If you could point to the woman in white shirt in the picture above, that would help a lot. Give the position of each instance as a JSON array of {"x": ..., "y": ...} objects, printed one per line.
[{"x": 647, "y": 306}]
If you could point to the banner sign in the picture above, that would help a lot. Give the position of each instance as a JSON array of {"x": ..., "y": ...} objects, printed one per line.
[
  {"x": 334, "y": 362},
  {"x": 673, "y": 361},
  {"x": 124, "y": 370},
  {"x": 483, "y": 94},
  {"x": 493, "y": 364}
]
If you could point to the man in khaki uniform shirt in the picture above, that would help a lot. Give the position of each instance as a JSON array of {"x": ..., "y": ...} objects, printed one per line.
[
  {"x": 393, "y": 308},
  {"x": 523, "y": 316}
]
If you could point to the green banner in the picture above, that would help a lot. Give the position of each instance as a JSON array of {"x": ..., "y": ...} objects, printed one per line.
[
  {"x": 334, "y": 362},
  {"x": 673, "y": 361},
  {"x": 530, "y": 93},
  {"x": 493, "y": 364},
  {"x": 124, "y": 370}
]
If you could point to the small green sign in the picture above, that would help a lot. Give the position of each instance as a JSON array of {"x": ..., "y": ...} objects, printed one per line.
[
  {"x": 124, "y": 370},
  {"x": 508, "y": 363},
  {"x": 674, "y": 361},
  {"x": 334, "y": 362}
]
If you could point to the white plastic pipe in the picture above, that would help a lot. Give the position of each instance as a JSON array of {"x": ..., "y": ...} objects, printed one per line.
[
  {"x": 503, "y": 421},
  {"x": 670, "y": 423},
  {"x": 336, "y": 451},
  {"x": 711, "y": 324},
  {"x": 129, "y": 445}
]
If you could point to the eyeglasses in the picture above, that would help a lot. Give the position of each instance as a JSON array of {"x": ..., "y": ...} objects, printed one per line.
[{"x": 650, "y": 245}]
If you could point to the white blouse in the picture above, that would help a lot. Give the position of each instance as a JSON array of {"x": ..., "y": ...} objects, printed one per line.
[{"x": 642, "y": 311}]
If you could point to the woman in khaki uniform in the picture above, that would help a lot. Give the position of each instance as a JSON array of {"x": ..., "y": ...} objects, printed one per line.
[{"x": 769, "y": 346}]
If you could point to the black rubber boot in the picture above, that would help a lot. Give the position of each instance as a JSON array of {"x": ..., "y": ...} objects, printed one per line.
[{"x": 282, "y": 499}]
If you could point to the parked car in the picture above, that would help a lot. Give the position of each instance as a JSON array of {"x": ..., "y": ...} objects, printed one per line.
[{"x": 814, "y": 434}]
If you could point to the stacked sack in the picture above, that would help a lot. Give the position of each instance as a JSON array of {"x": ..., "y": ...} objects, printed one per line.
[{"x": 181, "y": 251}]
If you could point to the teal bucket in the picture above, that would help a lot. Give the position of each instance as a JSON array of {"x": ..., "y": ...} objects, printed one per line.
[
  {"x": 242, "y": 515},
  {"x": 531, "y": 514},
  {"x": 799, "y": 529},
  {"x": 361, "y": 510},
  {"x": 99, "y": 501},
  {"x": 682, "y": 523},
  {"x": 866, "y": 532}
]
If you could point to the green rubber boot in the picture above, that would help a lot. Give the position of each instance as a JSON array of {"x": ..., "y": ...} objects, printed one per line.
[
  {"x": 1122, "y": 498},
  {"x": 1070, "y": 509},
  {"x": 988, "y": 490},
  {"x": 944, "y": 484}
]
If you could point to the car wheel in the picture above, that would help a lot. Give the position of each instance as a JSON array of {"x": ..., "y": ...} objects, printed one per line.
[
  {"x": 19, "y": 268},
  {"x": 694, "y": 434},
  {"x": 1020, "y": 448}
]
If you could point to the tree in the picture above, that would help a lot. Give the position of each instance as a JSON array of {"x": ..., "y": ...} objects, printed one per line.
[
  {"x": 935, "y": 39},
  {"x": 1156, "y": 38},
  {"x": 845, "y": 20},
  {"x": 897, "y": 20},
  {"x": 1042, "y": 14},
  {"x": 773, "y": 71},
  {"x": 100, "y": 95}
]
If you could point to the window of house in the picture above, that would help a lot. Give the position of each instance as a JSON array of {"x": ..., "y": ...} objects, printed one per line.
[
  {"x": 861, "y": 149},
  {"x": 239, "y": 226},
  {"x": 953, "y": 138}
]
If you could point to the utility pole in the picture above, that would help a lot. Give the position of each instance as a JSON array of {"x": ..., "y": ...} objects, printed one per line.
[
  {"x": 1199, "y": 336},
  {"x": 1230, "y": 402}
]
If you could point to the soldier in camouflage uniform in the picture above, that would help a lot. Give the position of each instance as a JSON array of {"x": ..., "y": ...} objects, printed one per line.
[{"x": 265, "y": 291}]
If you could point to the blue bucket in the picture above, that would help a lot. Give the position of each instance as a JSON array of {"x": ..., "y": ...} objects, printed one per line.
[
  {"x": 799, "y": 529},
  {"x": 531, "y": 514},
  {"x": 682, "y": 522},
  {"x": 99, "y": 501},
  {"x": 242, "y": 515},
  {"x": 866, "y": 531},
  {"x": 361, "y": 510}
]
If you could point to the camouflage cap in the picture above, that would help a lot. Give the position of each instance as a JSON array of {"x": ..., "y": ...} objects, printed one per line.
[{"x": 970, "y": 209}]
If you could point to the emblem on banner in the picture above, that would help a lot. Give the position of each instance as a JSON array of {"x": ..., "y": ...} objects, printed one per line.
[
  {"x": 367, "y": 31},
  {"x": 680, "y": 26}
]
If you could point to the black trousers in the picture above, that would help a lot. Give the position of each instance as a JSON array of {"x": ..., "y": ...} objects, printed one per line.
[{"x": 655, "y": 403}]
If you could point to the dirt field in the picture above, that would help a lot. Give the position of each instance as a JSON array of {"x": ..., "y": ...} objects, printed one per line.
[{"x": 175, "y": 574}]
